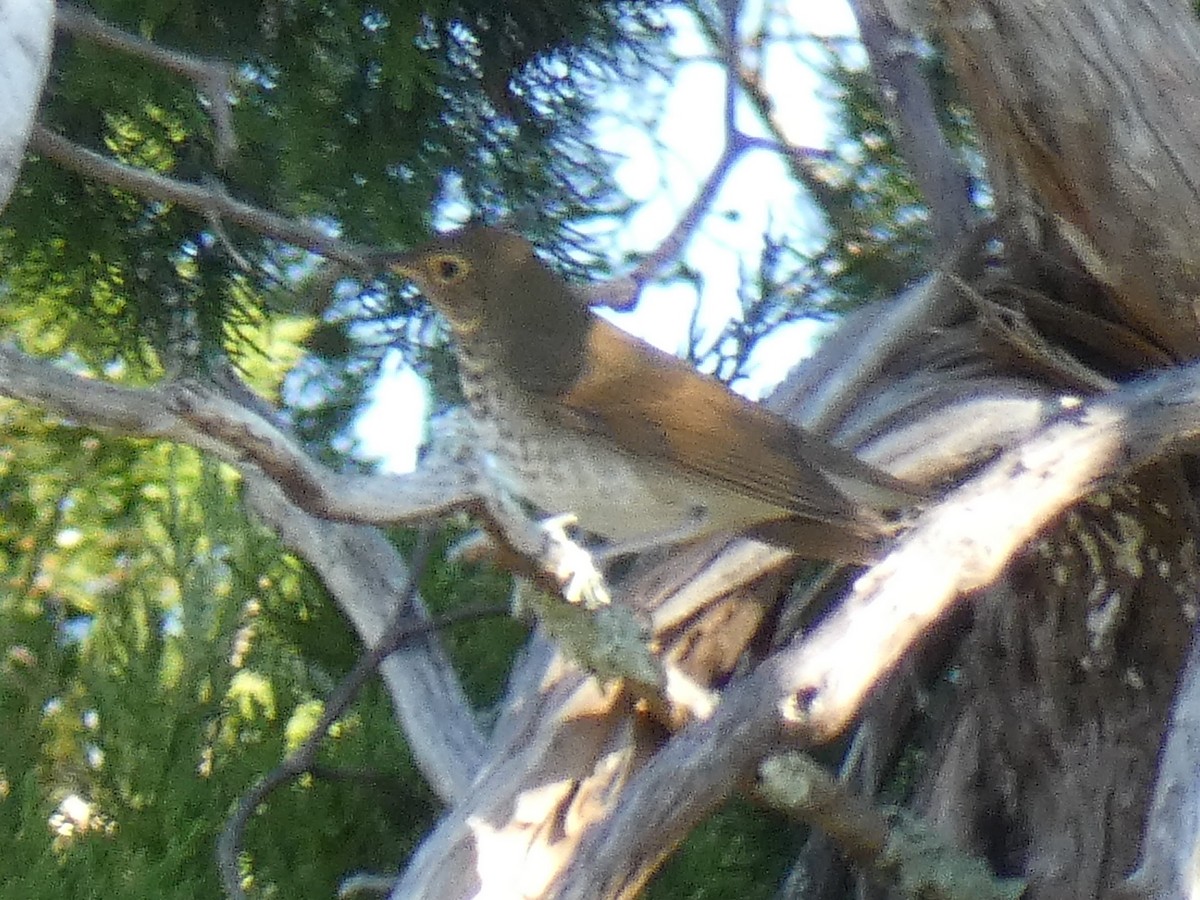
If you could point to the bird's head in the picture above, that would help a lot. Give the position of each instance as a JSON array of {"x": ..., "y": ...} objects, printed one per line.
[
  {"x": 497, "y": 294},
  {"x": 472, "y": 275}
]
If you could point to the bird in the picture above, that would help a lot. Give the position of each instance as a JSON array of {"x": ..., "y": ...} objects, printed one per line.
[{"x": 574, "y": 416}]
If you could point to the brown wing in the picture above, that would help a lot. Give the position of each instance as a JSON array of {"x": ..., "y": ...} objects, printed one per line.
[{"x": 653, "y": 403}]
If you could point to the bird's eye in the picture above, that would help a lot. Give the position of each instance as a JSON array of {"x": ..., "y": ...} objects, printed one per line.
[{"x": 448, "y": 269}]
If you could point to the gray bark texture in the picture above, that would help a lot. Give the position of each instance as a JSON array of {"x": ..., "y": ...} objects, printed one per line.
[
  {"x": 26, "y": 32},
  {"x": 1056, "y": 755},
  {"x": 1024, "y": 651}
]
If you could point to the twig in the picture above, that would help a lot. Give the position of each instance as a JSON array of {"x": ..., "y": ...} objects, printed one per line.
[
  {"x": 74, "y": 20},
  {"x": 213, "y": 77},
  {"x": 894, "y": 848},
  {"x": 208, "y": 201},
  {"x": 623, "y": 292},
  {"x": 803, "y": 161},
  {"x": 399, "y": 631}
]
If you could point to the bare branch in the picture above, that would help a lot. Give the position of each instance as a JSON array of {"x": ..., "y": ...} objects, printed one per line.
[
  {"x": 622, "y": 293},
  {"x": 203, "y": 417},
  {"x": 909, "y": 106},
  {"x": 86, "y": 401},
  {"x": 895, "y": 849},
  {"x": 205, "y": 200},
  {"x": 728, "y": 46},
  {"x": 357, "y": 564},
  {"x": 812, "y": 689},
  {"x": 213, "y": 77},
  {"x": 802, "y": 161},
  {"x": 242, "y": 435}
]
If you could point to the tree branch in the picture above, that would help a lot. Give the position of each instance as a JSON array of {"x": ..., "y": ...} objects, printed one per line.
[
  {"x": 214, "y": 77},
  {"x": 622, "y": 293},
  {"x": 809, "y": 691},
  {"x": 358, "y": 565},
  {"x": 399, "y": 630},
  {"x": 894, "y": 848},
  {"x": 909, "y": 106},
  {"x": 209, "y": 201},
  {"x": 241, "y": 435}
]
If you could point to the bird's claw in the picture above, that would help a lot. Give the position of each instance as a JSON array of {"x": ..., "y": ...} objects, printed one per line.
[{"x": 580, "y": 581}]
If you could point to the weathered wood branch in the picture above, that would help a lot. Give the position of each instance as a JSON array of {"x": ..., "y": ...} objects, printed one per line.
[
  {"x": 811, "y": 690},
  {"x": 891, "y": 845},
  {"x": 360, "y": 568},
  {"x": 206, "y": 199},
  {"x": 25, "y": 44},
  {"x": 908, "y": 102},
  {"x": 1095, "y": 111}
]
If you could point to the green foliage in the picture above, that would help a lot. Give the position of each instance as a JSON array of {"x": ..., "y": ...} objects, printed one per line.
[
  {"x": 158, "y": 651},
  {"x": 146, "y": 673},
  {"x": 371, "y": 121},
  {"x": 742, "y": 851},
  {"x": 878, "y": 236},
  {"x": 482, "y": 652}
]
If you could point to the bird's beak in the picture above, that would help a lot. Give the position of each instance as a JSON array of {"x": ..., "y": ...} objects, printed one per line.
[
  {"x": 408, "y": 265},
  {"x": 408, "y": 268}
]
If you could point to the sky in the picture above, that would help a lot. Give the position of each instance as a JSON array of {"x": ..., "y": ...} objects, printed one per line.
[{"x": 664, "y": 179}]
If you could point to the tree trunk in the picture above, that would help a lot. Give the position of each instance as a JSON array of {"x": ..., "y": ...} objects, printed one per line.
[{"x": 1055, "y": 690}]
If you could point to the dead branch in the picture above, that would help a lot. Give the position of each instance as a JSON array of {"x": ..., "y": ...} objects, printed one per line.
[
  {"x": 894, "y": 848},
  {"x": 357, "y": 564},
  {"x": 908, "y": 103},
  {"x": 243, "y": 435},
  {"x": 810, "y": 691},
  {"x": 623, "y": 292}
]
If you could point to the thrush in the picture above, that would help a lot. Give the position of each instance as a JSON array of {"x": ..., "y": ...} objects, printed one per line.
[{"x": 574, "y": 415}]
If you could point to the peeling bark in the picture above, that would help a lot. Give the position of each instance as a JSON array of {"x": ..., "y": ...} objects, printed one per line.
[
  {"x": 1094, "y": 111},
  {"x": 1046, "y": 759}
]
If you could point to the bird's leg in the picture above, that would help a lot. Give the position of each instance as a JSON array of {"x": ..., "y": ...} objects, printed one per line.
[{"x": 545, "y": 543}]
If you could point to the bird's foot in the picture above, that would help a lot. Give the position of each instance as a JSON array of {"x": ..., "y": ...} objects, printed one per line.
[
  {"x": 546, "y": 544},
  {"x": 580, "y": 581}
]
